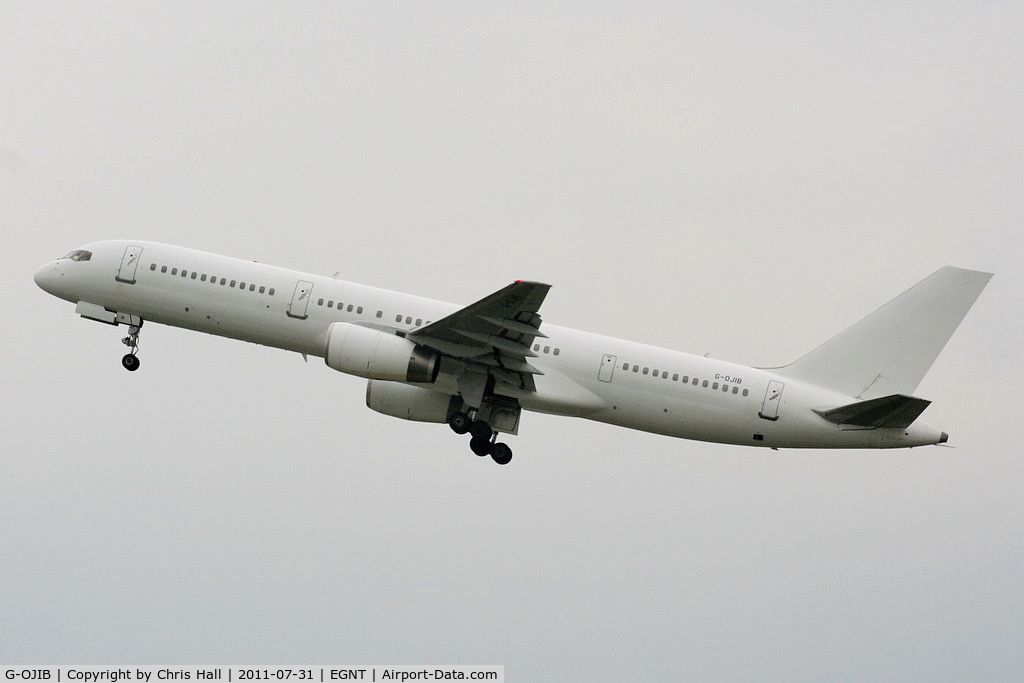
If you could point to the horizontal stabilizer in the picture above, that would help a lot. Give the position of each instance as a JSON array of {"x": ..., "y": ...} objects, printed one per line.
[{"x": 896, "y": 411}]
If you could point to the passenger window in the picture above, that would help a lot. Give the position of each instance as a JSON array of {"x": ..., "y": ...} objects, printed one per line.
[
  {"x": 359, "y": 310},
  {"x": 675, "y": 377},
  {"x": 152, "y": 266},
  {"x": 330, "y": 304},
  {"x": 547, "y": 349},
  {"x": 557, "y": 351},
  {"x": 271, "y": 291},
  {"x": 705, "y": 384},
  {"x": 625, "y": 366},
  {"x": 636, "y": 368},
  {"x": 320, "y": 302},
  {"x": 380, "y": 313},
  {"x": 725, "y": 388},
  {"x": 536, "y": 347},
  {"x": 194, "y": 274},
  {"x": 398, "y": 318},
  {"x": 349, "y": 308},
  {"x": 646, "y": 370},
  {"x": 174, "y": 271},
  {"x": 695, "y": 380},
  {"x": 714, "y": 386},
  {"x": 224, "y": 281},
  {"x": 419, "y": 321},
  {"x": 241, "y": 285},
  {"x": 163, "y": 269},
  {"x": 408, "y": 320},
  {"x": 184, "y": 273},
  {"x": 252, "y": 288},
  {"x": 735, "y": 390},
  {"x": 233, "y": 283},
  {"x": 203, "y": 278},
  {"x": 262, "y": 289},
  {"x": 746, "y": 391}
]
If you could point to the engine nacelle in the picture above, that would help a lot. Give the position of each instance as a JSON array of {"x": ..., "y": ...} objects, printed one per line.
[
  {"x": 373, "y": 354},
  {"x": 409, "y": 402}
]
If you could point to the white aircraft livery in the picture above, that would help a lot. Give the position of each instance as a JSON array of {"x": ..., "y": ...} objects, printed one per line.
[{"x": 478, "y": 367}]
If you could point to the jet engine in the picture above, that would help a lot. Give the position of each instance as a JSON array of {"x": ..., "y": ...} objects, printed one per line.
[
  {"x": 408, "y": 402},
  {"x": 374, "y": 354}
]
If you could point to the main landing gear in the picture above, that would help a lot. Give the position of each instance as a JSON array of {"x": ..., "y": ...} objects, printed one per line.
[
  {"x": 131, "y": 360},
  {"x": 483, "y": 439}
]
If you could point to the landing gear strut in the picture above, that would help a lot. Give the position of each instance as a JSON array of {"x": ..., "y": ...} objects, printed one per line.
[
  {"x": 483, "y": 439},
  {"x": 131, "y": 360}
]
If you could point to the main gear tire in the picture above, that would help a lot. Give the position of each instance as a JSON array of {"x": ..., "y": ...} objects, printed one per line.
[{"x": 481, "y": 447}]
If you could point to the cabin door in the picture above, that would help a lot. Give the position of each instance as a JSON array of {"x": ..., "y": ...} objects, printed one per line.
[
  {"x": 772, "y": 399},
  {"x": 129, "y": 264},
  {"x": 607, "y": 368},
  {"x": 299, "y": 304}
]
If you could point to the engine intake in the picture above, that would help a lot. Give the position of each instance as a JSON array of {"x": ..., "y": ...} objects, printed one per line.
[{"x": 373, "y": 354}]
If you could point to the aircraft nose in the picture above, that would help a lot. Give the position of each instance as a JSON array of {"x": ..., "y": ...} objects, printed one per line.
[{"x": 47, "y": 277}]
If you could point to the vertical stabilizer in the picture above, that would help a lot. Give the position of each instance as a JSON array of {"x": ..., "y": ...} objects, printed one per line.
[{"x": 890, "y": 351}]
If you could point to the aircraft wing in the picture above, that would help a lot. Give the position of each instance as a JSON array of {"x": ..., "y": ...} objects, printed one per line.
[{"x": 497, "y": 331}]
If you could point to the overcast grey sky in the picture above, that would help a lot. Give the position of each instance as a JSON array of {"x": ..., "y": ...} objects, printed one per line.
[{"x": 730, "y": 178}]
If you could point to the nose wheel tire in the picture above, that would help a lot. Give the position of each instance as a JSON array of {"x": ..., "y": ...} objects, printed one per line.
[{"x": 130, "y": 362}]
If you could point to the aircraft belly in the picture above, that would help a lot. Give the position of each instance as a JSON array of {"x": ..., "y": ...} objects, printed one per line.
[
  {"x": 557, "y": 394},
  {"x": 679, "y": 417}
]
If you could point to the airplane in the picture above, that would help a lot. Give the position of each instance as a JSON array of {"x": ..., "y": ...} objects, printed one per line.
[{"x": 477, "y": 367}]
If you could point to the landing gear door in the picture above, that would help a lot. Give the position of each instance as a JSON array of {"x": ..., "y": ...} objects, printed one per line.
[
  {"x": 299, "y": 304},
  {"x": 772, "y": 399},
  {"x": 129, "y": 264},
  {"x": 607, "y": 368}
]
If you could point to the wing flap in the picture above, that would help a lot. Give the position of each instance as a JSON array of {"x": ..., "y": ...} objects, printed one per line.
[
  {"x": 497, "y": 331},
  {"x": 502, "y": 343},
  {"x": 896, "y": 411},
  {"x": 515, "y": 326}
]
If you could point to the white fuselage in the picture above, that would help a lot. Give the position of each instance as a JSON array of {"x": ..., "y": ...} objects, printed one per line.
[{"x": 584, "y": 375}]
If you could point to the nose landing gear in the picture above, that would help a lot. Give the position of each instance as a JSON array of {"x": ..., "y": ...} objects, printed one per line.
[{"x": 131, "y": 360}]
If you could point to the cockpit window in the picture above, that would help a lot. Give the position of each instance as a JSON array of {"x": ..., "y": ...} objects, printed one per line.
[{"x": 79, "y": 255}]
